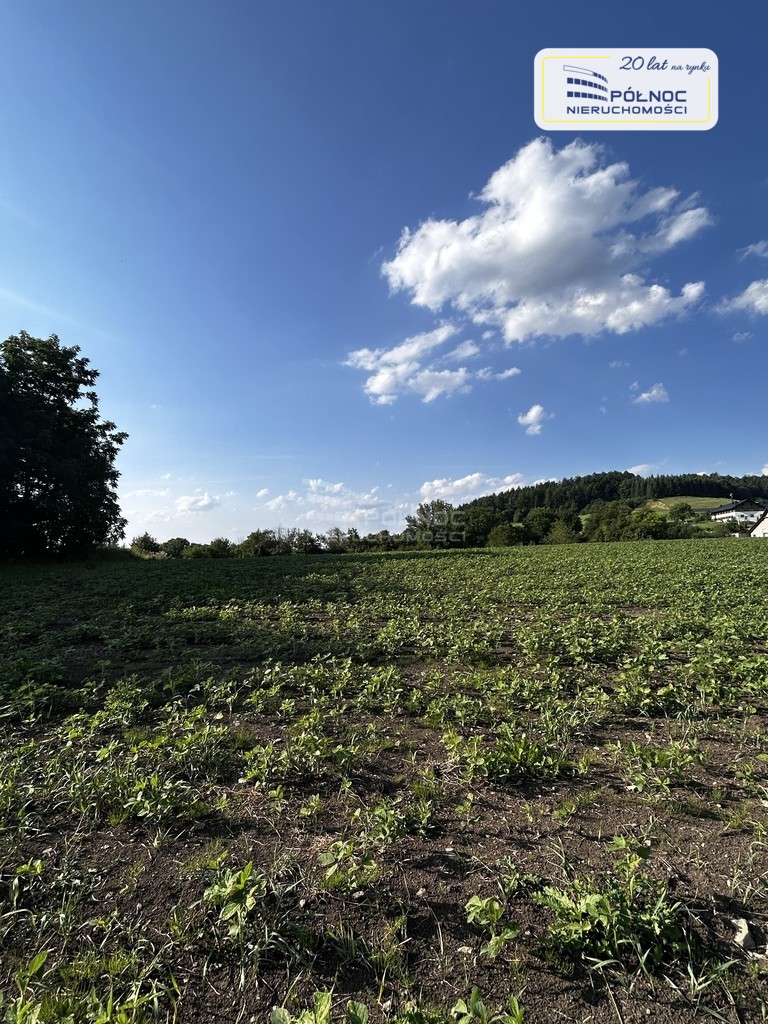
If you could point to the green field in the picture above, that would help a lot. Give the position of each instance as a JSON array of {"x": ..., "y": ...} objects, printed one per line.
[
  {"x": 360, "y": 787},
  {"x": 698, "y": 504}
]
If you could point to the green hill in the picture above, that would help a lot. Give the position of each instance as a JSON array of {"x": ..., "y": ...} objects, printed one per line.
[{"x": 577, "y": 494}]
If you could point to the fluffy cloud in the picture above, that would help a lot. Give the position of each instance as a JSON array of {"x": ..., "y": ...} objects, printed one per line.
[
  {"x": 533, "y": 420},
  {"x": 412, "y": 367},
  {"x": 334, "y": 504},
  {"x": 197, "y": 503},
  {"x": 466, "y": 487},
  {"x": 739, "y": 336},
  {"x": 401, "y": 370},
  {"x": 657, "y": 393},
  {"x": 644, "y": 468},
  {"x": 186, "y": 507},
  {"x": 754, "y": 299},
  {"x": 556, "y": 250}
]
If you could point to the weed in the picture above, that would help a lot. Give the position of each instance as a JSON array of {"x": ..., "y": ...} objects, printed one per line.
[{"x": 629, "y": 918}]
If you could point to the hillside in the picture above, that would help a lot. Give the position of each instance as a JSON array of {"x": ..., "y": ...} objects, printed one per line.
[{"x": 575, "y": 494}]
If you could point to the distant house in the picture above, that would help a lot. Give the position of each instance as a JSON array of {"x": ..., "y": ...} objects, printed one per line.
[
  {"x": 760, "y": 528},
  {"x": 745, "y": 511}
]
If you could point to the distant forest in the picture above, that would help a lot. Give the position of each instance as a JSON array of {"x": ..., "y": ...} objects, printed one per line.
[{"x": 577, "y": 493}]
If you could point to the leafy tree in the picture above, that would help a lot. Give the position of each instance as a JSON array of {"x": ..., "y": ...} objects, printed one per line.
[
  {"x": 610, "y": 520},
  {"x": 145, "y": 545},
  {"x": 304, "y": 542},
  {"x": 647, "y": 524},
  {"x": 353, "y": 541},
  {"x": 507, "y": 535},
  {"x": 196, "y": 551},
  {"x": 334, "y": 541},
  {"x": 381, "y": 541},
  {"x": 539, "y": 522},
  {"x": 478, "y": 522},
  {"x": 174, "y": 547},
  {"x": 561, "y": 533},
  {"x": 681, "y": 512},
  {"x": 435, "y": 524},
  {"x": 221, "y": 547},
  {"x": 57, "y": 456},
  {"x": 258, "y": 544}
]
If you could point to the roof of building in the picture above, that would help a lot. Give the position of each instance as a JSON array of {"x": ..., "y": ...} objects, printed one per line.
[{"x": 755, "y": 504}]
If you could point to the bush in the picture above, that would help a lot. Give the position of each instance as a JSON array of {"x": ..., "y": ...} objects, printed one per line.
[{"x": 145, "y": 545}]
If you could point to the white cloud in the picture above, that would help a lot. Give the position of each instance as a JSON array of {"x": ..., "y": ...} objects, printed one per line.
[
  {"x": 165, "y": 476},
  {"x": 764, "y": 470},
  {"x": 756, "y": 249},
  {"x": 739, "y": 336},
  {"x": 754, "y": 299},
  {"x": 262, "y": 493},
  {"x": 488, "y": 374},
  {"x": 556, "y": 250},
  {"x": 185, "y": 507},
  {"x": 617, "y": 364},
  {"x": 402, "y": 370},
  {"x": 624, "y": 305},
  {"x": 644, "y": 468},
  {"x": 533, "y": 420},
  {"x": 197, "y": 503},
  {"x": 333, "y": 504},
  {"x": 470, "y": 486},
  {"x": 466, "y": 350},
  {"x": 657, "y": 393},
  {"x": 283, "y": 501}
]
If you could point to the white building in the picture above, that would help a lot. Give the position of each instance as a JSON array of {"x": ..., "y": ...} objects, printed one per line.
[{"x": 745, "y": 511}]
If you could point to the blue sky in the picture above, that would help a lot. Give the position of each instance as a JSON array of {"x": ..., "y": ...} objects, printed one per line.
[{"x": 328, "y": 266}]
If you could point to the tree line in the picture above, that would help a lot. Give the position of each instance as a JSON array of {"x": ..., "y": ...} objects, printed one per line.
[
  {"x": 58, "y": 483},
  {"x": 438, "y": 525},
  {"x": 578, "y": 493}
]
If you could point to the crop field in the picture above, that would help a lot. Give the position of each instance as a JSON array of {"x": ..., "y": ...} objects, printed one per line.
[{"x": 490, "y": 787}]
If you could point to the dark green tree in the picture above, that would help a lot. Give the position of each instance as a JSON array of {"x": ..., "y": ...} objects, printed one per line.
[
  {"x": 539, "y": 522},
  {"x": 258, "y": 544},
  {"x": 507, "y": 535},
  {"x": 57, "y": 456},
  {"x": 681, "y": 512},
  {"x": 561, "y": 533},
  {"x": 145, "y": 545},
  {"x": 436, "y": 524},
  {"x": 175, "y": 546},
  {"x": 221, "y": 547},
  {"x": 477, "y": 523}
]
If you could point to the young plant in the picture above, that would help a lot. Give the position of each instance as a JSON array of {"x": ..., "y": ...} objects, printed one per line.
[
  {"x": 486, "y": 915},
  {"x": 475, "y": 1012}
]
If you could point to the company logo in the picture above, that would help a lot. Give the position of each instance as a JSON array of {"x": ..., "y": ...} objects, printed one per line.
[
  {"x": 625, "y": 90},
  {"x": 586, "y": 79}
]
